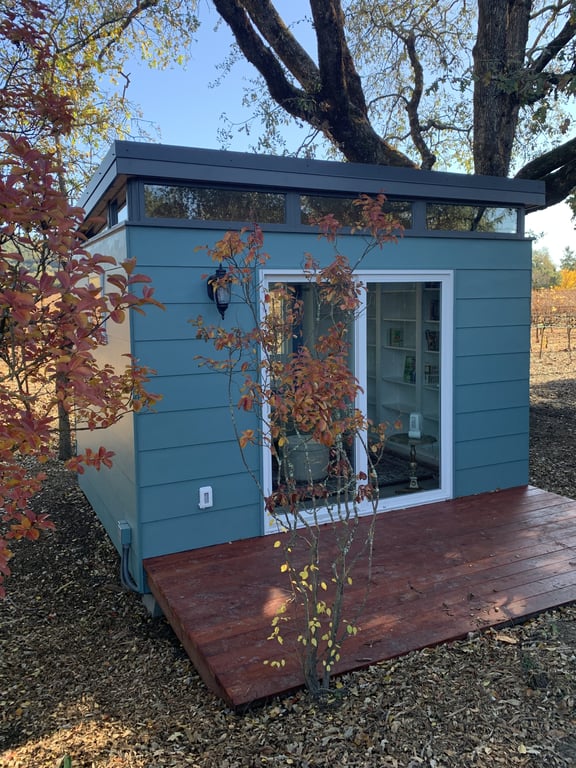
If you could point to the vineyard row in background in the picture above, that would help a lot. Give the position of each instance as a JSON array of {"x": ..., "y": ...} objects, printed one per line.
[{"x": 553, "y": 311}]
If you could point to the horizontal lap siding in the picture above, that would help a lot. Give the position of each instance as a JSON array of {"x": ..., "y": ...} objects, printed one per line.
[
  {"x": 172, "y": 465},
  {"x": 491, "y": 370},
  {"x": 113, "y": 492},
  {"x": 238, "y": 490},
  {"x": 164, "y": 536},
  {"x": 472, "y": 369},
  {"x": 189, "y": 441},
  {"x": 494, "y": 423},
  {"x": 176, "y": 429}
]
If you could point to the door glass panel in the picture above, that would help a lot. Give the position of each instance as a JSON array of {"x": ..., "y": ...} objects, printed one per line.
[
  {"x": 403, "y": 382},
  {"x": 302, "y": 321}
]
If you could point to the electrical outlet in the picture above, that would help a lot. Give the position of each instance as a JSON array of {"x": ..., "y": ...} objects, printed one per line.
[{"x": 205, "y": 500}]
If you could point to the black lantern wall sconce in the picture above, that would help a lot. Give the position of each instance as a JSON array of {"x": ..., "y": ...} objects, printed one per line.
[{"x": 219, "y": 290}]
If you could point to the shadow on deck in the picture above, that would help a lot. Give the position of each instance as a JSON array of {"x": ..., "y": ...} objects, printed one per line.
[{"x": 439, "y": 571}]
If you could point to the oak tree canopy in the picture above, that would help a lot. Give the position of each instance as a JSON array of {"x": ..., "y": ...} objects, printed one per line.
[{"x": 485, "y": 86}]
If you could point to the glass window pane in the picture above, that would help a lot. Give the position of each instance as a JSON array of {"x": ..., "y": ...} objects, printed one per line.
[
  {"x": 314, "y": 207},
  {"x": 123, "y": 212},
  {"x": 471, "y": 218},
  {"x": 298, "y": 319},
  {"x": 212, "y": 204},
  {"x": 403, "y": 383}
]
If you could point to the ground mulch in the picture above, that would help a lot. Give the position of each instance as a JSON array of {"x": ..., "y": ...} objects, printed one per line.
[{"x": 85, "y": 672}]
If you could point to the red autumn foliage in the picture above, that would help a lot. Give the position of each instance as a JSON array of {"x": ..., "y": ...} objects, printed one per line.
[{"x": 53, "y": 310}]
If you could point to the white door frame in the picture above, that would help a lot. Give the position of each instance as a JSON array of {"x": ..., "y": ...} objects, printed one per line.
[{"x": 446, "y": 278}]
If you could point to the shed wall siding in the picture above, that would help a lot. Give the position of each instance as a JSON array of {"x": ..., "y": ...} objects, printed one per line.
[
  {"x": 112, "y": 492},
  {"x": 189, "y": 441}
]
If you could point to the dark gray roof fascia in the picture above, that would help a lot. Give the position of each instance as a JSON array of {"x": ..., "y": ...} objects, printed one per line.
[{"x": 172, "y": 163}]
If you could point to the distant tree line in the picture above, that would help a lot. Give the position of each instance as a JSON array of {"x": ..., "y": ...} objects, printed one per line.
[{"x": 545, "y": 273}]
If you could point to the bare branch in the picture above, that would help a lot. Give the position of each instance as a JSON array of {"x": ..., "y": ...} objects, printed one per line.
[{"x": 428, "y": 158}]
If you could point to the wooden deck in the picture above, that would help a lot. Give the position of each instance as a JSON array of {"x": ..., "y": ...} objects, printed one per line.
[{"x": 439, "y": 571}]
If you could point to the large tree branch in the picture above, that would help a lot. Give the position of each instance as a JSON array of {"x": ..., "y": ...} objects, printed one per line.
[
  {"x": 294, "y": 100},
  {"x": 553, "y": 48},
  {"x": 536, "y": 81},
  {"x": 339, "y": 76},
  {"x": 557, "y": 168},
  {"x": 273, "y": 29},
  {"x": 334, "y": 101}
]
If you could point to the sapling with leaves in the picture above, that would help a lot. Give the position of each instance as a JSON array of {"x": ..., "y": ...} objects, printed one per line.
[{"x": 292, "y": 364}]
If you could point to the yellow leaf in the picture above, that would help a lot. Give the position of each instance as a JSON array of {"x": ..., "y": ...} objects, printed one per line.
[
  {"x": 284, "y": 567},
  {"x": 506, "y": 639},
  {"x": 277, "y": 544}
]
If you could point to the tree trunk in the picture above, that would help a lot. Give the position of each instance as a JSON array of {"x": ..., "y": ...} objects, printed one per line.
[
  {"x": 65, "y": 450},
  {"x": 498, "y": 59}
]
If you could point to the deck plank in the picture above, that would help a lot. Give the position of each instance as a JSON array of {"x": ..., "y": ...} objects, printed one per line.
[{"x": 439, "y": 571}]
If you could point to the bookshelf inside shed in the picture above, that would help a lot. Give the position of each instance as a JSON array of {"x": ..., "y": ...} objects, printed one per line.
[{"x": 403, "y": 359}]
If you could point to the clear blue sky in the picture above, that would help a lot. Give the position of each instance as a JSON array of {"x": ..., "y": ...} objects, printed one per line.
[
  {"x": 187, "y": 110},
  {"x": 185, "y": 105}
]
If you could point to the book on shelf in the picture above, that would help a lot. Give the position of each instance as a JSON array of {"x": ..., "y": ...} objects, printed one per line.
[
  {"x": 431, "y": 375},
  {"x": 410, "y": 369},
  {"x": 396, "y": 337},
  {"x": 432, "y": 341}
]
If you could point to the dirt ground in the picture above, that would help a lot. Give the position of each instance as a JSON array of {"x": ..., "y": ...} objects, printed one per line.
[{"x": 85, "y": 672}]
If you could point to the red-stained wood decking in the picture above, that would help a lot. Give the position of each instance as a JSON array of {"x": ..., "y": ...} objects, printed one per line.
[{"x": 439, "y": 571}]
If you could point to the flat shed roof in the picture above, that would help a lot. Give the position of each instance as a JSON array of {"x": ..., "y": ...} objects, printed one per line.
[{"x": 128, "y": 159}]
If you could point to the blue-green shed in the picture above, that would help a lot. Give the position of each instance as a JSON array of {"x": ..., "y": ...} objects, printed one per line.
[{"x": 442, "y": 350}]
